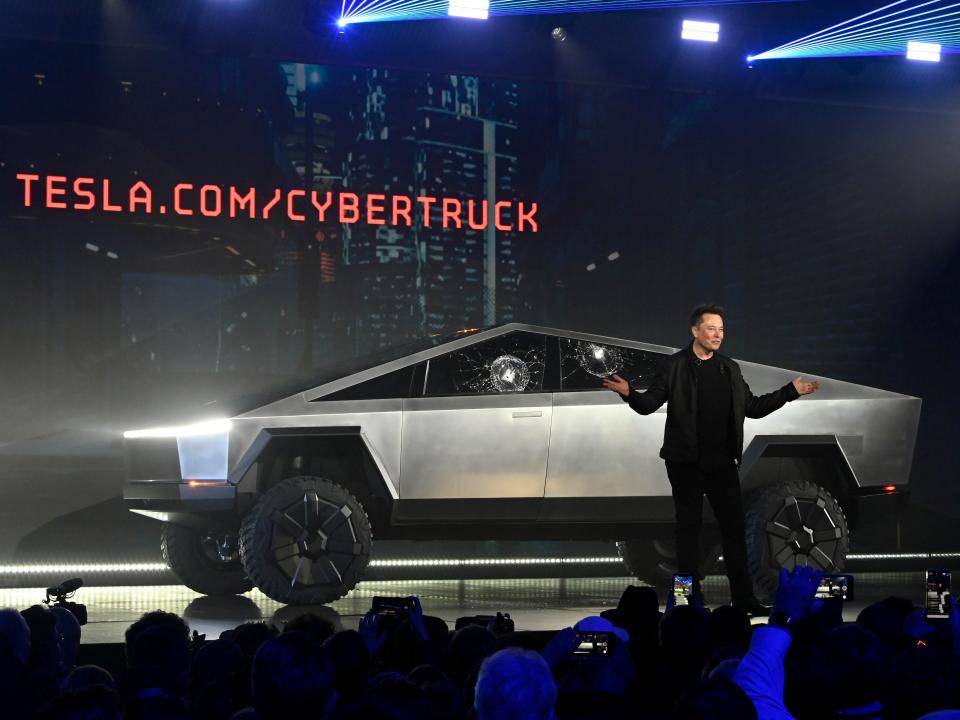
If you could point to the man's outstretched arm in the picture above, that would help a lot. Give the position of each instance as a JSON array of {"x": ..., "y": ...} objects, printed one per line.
[
  {"x": 642, "y": 402},
  {"x": 758, "y": 407}
]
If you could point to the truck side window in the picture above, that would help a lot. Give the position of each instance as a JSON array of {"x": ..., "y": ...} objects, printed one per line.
[
  {"x": 584, "y": 364},
  {"x": 394, "y": 384},
  {"x": 508, "y": 364}
]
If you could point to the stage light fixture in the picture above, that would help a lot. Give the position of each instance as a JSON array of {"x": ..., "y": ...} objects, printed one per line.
[
  {"x": 479, "y": 562},
  {"x": 700, "y": 31},
  {"x": 363, "y": 11},
  {"x": 559, "y": 34},
  {"x": 925, "y": 52},
  {"x": 474, "y": 9},
  {"x": 887, "y": 30},
  {"x": 82, "y": 568},
  {"x": 135, "y": 568}
]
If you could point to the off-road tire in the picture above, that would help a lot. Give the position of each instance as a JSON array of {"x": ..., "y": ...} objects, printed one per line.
[
  {"x": 655, "y": 561},
  {"x": 789, "y": 524},
  {"x": 306, "y": 541},
  {"x": 192, "y": 556}
]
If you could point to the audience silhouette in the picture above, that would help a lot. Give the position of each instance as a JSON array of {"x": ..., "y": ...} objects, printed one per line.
[{"x": 634, "y": 661}]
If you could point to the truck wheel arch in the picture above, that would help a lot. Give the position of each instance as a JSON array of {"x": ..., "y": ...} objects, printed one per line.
[
  {"x": 341, "y": 454},
  {"x": 819, "y": 459}
]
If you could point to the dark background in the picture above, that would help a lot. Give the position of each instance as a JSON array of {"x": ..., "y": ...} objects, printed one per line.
[{"x": 816, "y": 200}]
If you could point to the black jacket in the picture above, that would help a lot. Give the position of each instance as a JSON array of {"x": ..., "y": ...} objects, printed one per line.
[{"x": 676, "y": 384}]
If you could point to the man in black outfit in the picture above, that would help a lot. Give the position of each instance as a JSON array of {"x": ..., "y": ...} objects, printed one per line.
[{"x": 707, "y": 401}]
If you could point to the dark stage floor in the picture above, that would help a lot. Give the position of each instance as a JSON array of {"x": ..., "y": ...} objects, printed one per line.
[{"x": 535, "y": 604}]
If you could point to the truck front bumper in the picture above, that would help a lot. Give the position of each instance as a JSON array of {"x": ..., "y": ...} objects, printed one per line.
[{"x": 191, "y": 503}]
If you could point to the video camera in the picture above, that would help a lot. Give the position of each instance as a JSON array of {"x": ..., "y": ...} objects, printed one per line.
[{"x": 59, "y": 596}]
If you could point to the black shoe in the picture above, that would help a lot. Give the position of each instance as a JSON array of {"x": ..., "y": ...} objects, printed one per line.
[{"x": 753, "y": 607}]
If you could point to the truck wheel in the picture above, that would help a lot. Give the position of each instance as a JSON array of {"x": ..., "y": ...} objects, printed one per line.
[
  {"x": 655, "y": 561},
  {"x": 644, "y": 562},
  {"x": 206, "y": 562},
  {"x": 793, "y": 523},
  {"x": 306, "y": 541}
]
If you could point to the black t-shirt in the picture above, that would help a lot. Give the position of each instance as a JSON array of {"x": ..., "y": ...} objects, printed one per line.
[{"x": 714, "y": 406}]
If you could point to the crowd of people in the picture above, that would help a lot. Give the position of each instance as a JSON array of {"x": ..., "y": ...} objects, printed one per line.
[{"x": 683, "y": 664}]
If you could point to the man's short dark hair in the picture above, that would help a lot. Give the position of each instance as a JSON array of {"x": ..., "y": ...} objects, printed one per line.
[
  {"x": 714, "y": 700},
  {"x": 696, "y": 317},
  {"x": 159, "y": 638},
  {"x": 852, "y": 666},
  {"x": 92, "y": 702},
  {"x": 292, "y": 677},
  {"x": 317, "y": 628},
  {"x": 157, "y": 618}
]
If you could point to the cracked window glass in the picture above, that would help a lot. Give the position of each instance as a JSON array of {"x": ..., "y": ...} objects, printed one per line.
[
  {"x": 509, "y": 364},
  {"x": 584, "y": 364}
]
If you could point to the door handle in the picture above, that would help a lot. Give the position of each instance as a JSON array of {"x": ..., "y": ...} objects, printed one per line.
[{"x": 527, "y": 413}]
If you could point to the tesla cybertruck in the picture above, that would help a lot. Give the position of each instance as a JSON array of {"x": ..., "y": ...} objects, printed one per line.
[{"x": 498, "y": 433}]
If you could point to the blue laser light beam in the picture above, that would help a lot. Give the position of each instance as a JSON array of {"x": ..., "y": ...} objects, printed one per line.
[
  {"x": 365, "y": 11},
  {"x": 888, "y": 30}
]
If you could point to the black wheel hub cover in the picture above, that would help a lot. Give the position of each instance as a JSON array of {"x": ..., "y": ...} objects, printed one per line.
[
  {"x": 802, "y": 532},
  {"x": 314, "y": 540}
]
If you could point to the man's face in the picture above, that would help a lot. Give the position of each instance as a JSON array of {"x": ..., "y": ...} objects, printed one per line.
[{"x": 709, "y": 333}]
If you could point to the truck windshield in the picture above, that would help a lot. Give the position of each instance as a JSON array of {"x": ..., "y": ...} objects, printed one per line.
[{"x": 328, "y": 373}]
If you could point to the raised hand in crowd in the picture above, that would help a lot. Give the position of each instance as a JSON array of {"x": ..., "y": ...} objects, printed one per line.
[
  {"x": 796, "y": 592},
  {"x": 415, "y": 615},
  {"x": 369, "y": 629}
]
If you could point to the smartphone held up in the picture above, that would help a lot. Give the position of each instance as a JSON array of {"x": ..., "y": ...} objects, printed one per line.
[
  {"x": 594, "y": 643},
  {"x": 937, "y": 595},
  {"x": 682, "y": 590},
  {"x": 835, "y": 587}
]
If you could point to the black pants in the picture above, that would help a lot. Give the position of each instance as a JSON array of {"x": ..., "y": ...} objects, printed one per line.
[{"x": 720, "y": 482}]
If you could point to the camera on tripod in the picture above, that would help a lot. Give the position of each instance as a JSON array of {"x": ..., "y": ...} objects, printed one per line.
[{"x": 59, "y": 596}]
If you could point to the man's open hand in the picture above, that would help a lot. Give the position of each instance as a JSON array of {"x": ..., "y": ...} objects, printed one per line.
[
  {"x": 371, "y": 631},
  {"x": 805, "y": 388},
  {"x": 415, "y": 616},
  {"x": 617, "y": 384},
  {"x": 796, "y": 591}
]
